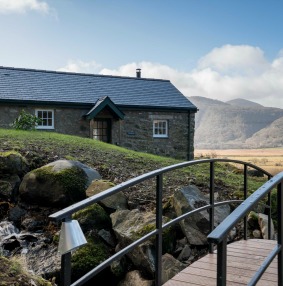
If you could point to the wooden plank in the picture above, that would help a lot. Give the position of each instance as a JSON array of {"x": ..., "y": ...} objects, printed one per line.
[
  {"x": 236, "y": 264},
  {"x": 243, "y": 260}
]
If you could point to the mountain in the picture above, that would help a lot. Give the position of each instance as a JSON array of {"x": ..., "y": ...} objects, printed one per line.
[
  {"x": 237, "y": 123},
  {"x": 243, "y": 103}
]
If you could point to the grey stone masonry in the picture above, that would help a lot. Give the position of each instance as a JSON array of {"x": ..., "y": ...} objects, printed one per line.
[
  {"x": 66, "y": 120},
  {"x": 136, "y": 132}
]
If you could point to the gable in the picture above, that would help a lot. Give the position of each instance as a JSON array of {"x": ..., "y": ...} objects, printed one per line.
[{"x": 105, "y": 103}]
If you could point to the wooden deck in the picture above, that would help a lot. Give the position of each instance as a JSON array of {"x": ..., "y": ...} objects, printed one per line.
[{"x": 243, "y": 259}]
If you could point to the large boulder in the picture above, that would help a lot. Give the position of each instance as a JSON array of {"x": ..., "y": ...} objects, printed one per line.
[
  {"x": 196, "y": 227},
  {"x": 13, "y": 163},
  {"x": 58, "y": 184}
]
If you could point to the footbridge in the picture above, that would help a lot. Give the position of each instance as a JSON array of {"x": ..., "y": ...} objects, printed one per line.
[{"x": 244, "y": 262}]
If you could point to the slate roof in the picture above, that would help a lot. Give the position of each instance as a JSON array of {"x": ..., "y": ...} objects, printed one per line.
[{"x": 50, "y": 87}]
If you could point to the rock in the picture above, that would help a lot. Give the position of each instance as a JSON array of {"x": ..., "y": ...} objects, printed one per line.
[
  {"x": 131, "y": 225},
  {"x": 9, "y": 186},
  {"x": 263, "y": 223},
  {"x": 185, "y": 253},
  {"x": 4, "y": 209},
  {"x": 33, "y": 224},
  {"x": 257, "y": 233},
  {"x": 170, "y": 267},
  {"x": 232, "y": 234},
  {"x": 61, "y": 165},
  {"x": 119, "y": 267},
  {"x": 13, "y": 163},
  {"x": 58, "y": 184},
  {"x": 107, "y": 237},
  {"x": 196, "y": 227},
  {"x": 252, "y": 220},
  {"x": 180, "y": 244},
  {"x": 134, "y": 278},
  {"x": 112, "y": 203},
  {"x": 16, "y": 214},
  {"x": 93, "y": 217}
]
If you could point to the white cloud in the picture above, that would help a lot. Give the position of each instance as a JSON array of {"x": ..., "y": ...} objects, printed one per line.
[
  {"x": 241, "y": 59},
  {"x": 225, "y": 73},
  {"x": 79, "y": 66},
  {"x": 22, "y": 6}
]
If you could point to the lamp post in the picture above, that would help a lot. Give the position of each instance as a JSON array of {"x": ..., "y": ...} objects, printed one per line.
[{"x": 71, "y": 238}]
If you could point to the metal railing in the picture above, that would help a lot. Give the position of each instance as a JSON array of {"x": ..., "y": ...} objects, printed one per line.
[
  {"x": 66, "y": 215},
  {"x": 219, "y": 234}
]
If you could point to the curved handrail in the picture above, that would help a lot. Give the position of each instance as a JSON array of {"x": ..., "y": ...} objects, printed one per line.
[
  {"x": 222, "y": 230},
  {"x": 220, "y": 233},
  {"x": 65, "y": 214}
]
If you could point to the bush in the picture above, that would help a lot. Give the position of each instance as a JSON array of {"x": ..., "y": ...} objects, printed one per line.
[{"x": 26, "y": 121}]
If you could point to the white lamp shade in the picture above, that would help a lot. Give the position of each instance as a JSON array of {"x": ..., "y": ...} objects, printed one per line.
[{"x": 71, "y": 237}]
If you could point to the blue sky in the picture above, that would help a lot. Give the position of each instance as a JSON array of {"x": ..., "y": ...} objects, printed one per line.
[{"x": 213, "y": 48}]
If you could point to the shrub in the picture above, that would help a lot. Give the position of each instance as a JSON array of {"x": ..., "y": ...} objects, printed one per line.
[{"x": 26, "y": 121}]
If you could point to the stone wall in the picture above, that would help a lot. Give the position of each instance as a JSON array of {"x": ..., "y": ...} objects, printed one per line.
[
  {"x": 136, "y": 132},
  {"x": 66, "y": 120}
]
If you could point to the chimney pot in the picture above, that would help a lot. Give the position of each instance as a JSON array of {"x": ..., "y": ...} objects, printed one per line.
[{"x": 138, "y": 71}]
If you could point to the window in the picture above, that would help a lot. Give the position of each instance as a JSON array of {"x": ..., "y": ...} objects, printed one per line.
[
  {"x": 160, "y": 128},
  {"x": 47, "y": 117}
]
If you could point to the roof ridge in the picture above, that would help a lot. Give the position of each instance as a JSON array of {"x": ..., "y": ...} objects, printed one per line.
[{"x": 81, "y": 74}]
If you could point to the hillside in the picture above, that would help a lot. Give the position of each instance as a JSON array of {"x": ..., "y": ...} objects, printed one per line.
[
  {"x": 114, "y": 163},
  {"x": 236, "y": 124}
]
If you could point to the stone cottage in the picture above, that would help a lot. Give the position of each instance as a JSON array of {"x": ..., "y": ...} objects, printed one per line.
[{"x": 142, "y": 114}]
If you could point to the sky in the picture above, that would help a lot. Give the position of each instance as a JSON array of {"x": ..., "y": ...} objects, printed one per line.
[{"x": 220, "y": 49}]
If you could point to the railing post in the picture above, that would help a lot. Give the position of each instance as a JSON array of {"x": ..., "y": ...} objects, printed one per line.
[
  {"x": 222, "y": 262},
  {"x": 65, "y": 272},
  {"x": 245, "y": 197},
  {"x": 158, "y": 258},
  {"x": 269, "y": 212},
  {"x": 280, "y": 232},
  {"x": 211, "y": 201}
]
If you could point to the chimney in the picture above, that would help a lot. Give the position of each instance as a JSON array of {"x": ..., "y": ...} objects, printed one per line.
[{"x": 138, "y": 73}]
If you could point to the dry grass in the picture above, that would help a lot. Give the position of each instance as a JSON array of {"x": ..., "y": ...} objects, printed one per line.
[{"x": 270, "y": 159}]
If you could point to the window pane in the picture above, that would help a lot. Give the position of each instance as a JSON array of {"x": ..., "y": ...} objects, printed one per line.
[{"x": 160, "y": 128}]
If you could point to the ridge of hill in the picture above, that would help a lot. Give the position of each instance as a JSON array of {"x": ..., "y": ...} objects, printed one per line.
[
  {"x": 236, "y": 124},
  {"x": 243, "y": 103}
]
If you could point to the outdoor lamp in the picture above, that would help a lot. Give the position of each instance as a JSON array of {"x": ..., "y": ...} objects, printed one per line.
[{"x": 71, "y": 237}]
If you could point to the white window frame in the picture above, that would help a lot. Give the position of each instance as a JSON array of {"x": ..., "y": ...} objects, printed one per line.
[
  {"x": 159, "y": 131},
  {"x": 45, "y": 126}
]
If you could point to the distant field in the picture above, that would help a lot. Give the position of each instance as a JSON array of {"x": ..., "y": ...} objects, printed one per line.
[{"x": 270, "y": 159}]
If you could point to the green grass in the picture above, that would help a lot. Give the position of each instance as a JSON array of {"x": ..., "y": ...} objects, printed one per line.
[{"x": 118, "y": 164}]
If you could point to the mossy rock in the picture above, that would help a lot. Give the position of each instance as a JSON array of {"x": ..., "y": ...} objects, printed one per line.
[
  {"x": 13, "y": 273},
  {"x": 253, "y": 220},
  {"x": 93, "y": 217},
  {"x": 87, "y": 257},
  {"x": 13, "y": 163},
  {"x": 111, "y": 203},
  {"x": 46, "y": 187}
]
